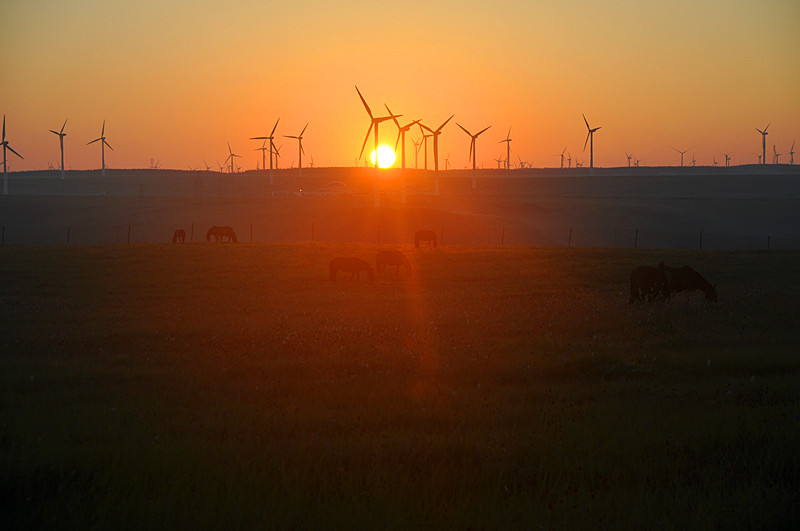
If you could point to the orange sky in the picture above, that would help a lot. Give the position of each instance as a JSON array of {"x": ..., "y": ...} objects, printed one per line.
[{"x": 175, "y": 81}]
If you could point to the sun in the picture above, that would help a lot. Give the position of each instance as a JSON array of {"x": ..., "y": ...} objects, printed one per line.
[{"x": 386, "y": 156}]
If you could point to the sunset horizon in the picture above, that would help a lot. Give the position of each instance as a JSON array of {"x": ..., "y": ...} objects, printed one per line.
[{"x": 174, "y": 84}]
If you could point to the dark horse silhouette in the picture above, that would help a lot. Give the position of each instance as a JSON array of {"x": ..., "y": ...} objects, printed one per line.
[
  {"x": 425, "y": 236},
  {"x": 648, "y": 283},
  {"x": 354, "y": 266},
  {"x": 392, "y": 258},
  {"x": 687, "y": 279},
  {"x": 179, "y": 236},
  {"x": 221, "y": 234},
  {"x": 662, "y": 281}
]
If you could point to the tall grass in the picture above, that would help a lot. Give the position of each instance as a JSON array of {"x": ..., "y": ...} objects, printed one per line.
[{"x": 209, "y": 386}]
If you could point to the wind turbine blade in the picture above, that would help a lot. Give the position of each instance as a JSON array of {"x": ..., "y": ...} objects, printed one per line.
[
  {"x": 303, "y": 131},
  {"x": 425, "y": 127},
  {"x": 482, "y": 131},
  {"x": 4, "y": 128},
  {"x": 276, "y": 126},
  {"x": 463, "y": 129},
  {"x": 259, "y": 138},
  {"x": 103, "y": 131},
  {"x": 392, "y": 115},
  {"x": 586, "y": 141},
  {"x": 63, "y": 126},
  {"x": 14, "y": 152},
  {"x": 445, "y": 123},
  {"x": 366, "y": 139},
  {"x": 767, "y": 127},
  {"x": 397, "y": 141},
  {"x": 585, "y": 120},
  {"x": 93, "y": 141},
  {"x": 109, "y": 145},
  {"x": 364, "y": 102},
  {"x": 54, "y": 132}
]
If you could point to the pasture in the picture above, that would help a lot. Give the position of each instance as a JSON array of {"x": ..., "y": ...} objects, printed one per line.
[{"x": 208, "y": 386}]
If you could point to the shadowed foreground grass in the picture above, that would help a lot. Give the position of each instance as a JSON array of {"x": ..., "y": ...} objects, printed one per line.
[{"x": 235, "y": 386}]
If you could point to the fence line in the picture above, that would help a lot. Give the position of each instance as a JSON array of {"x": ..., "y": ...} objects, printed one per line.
[{"x": 389, "y": 233}]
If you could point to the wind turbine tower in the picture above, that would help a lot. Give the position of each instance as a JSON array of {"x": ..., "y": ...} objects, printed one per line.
[
  {"x": 5, "y": 160},
  {"x": 590, "y": 140},
  {"x": 436, "y": 132},
  {"x": 472, "y": 155},
  {"x": 103, "y": 145},
  {"x": 61, "y": 134},
  {"x": 763, "y": 159},
  {"x": 507, "y": 140},
  {"x": 791, "y": 153},
  {"x": 300, "y": 151}
]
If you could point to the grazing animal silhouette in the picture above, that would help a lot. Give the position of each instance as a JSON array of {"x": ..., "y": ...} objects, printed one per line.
[
  {"x": 221, "y": 234},
  {"x": 663, "y": 281},
  {"x": 354, "y": 266},
  {"x": 425, "y": 236},
  {"x": 687, "y": 279},
  {"x": 392, "y": 258},
  {"x": 179, "y": 236},
  {"x": 648, "y": 282}
]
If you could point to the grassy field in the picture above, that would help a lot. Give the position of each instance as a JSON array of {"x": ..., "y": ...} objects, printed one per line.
[{"x": 211, "y": 386}]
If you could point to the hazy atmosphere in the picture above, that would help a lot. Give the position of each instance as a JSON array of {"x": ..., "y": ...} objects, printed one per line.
[{"x": 175, "y": 81}]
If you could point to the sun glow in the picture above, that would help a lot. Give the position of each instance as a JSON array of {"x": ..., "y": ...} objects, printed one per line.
[{"x": 386, "y": 156}]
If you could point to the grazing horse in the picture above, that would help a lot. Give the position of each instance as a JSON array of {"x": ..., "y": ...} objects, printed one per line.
[
  {"x": 179, "y": 236},
  {"x": 687, "y": 279},
  {"x": 354, "y": 266},
  {"x": 221, "y": 234},
  {"x": 392, "y": 258},
  {"x": 649, "y": 282},
  {"x": 424, "y": 236}
]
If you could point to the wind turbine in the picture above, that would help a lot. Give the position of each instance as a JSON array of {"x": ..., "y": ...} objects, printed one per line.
[
  {"x": 61, "y": 134},
  {"x": 682, "y": 154},
  {"x": 630, "y": 156},
  {"x": 590, "y": 139},
  {"x": 499, "y": 161},
  {"x": 263, "y": 149},
  {"x": 271, "y": 138},
  {"x": 374, "y": 121},
  {"x": 417, "y": 146},
  {"x": 727, "y": 158},
  {"x": 5, "y": 161},
  {"x": 425, "y": 140},
  {"x": 230, "y": 157},
  {"x": 777, "y": 158},
  {"x": 436, "y": 132},
  {"x": 300, "y": 151},
  {"x": 507, "y": 140},
  {"x": 103, "y": 145},
  {"x": 401, "y": 134},
  {"x": 763, "y": 159},
  {"x": 562, "y": 156},
  {"x": 791, "y": 153},
  {"x": 472, "y": 155}
]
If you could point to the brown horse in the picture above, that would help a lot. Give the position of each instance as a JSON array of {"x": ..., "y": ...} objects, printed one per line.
[
  {"x": 648, "y": 282},
  {"x": 179, "y": 236},
  {"x": 687, "y": 279},
  {"x": 424, "y": 236},
  {"x": 392, "y": 258},
  {"x": 221, "y": 234},
  {"x": 354, "y": 266}
]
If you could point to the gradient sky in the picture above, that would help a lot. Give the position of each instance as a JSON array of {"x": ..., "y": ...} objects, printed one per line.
[{"x": 177, "y": 79}]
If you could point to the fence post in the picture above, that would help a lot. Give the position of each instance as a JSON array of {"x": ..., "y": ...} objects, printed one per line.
[
  {"x": 129, "y": 233},
  {"x": 636, "y": 239},
  {"x": 69, "y": 229},
  {"x": 701, "y": 239},
  {"x": 503, "y": 237},
  {"x": 569, "y": 242}
]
